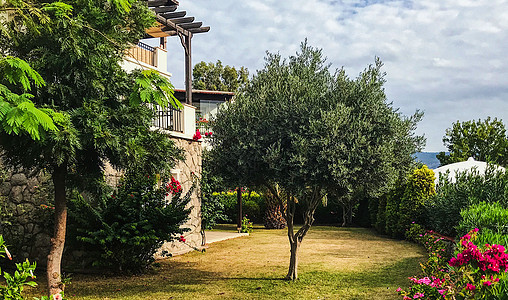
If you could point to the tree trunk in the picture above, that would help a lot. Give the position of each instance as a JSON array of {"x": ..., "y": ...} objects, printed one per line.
[
  {"x": 239, "y": 203},
  {"x": 295, "y": 239},
  {"x": 293, "y": 261},
  {"x": 293, "y": 242},
  {"x": 55, "y": 285},
  {"x": 347, "y": 215},
  {"x": 203, "y": 237}
]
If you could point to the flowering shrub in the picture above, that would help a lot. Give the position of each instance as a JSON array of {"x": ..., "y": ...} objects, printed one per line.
[
  {"x": 197, "y": 135},
  {"x": 425, "y": 288},
  {"x": 439, "y": 249},
  {"x": 173, "y": 187},
  {"x": 473, "y": 273},
  {"x": 123, "y": 231}
]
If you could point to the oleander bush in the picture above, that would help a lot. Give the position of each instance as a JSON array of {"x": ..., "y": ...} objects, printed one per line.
[
  {"x": 491, "y": 216},
  {"x": 442, "y": 211},
  {"x": 123, "y": 231}
]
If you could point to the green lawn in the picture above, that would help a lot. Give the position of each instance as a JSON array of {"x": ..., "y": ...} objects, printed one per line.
[{"x": 334, "y": 263}]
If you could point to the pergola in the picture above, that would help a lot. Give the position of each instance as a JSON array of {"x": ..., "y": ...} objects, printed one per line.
[{"x": 171, "y": 22}]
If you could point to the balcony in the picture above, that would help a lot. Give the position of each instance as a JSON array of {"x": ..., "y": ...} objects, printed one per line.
[
  {"x": 179, "y": 123},
  {"x": 144, "y": 53},
  {"x": 170, "y": 119},
  {"x": 143, "y": 56}
]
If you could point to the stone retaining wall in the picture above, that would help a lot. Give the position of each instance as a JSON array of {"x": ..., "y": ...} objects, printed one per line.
[
  {"x": 25, "y": 213},
  {"x": 187, "y": 172}
]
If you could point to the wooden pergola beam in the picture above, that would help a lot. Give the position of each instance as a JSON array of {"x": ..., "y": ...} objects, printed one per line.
[
  {"x": 155, "y": 3},
  {"x": 173, "y": 15},
  {"x": 170, "y": 32},
  {"x": 191, "y": 25},
  {"x": 171, "y": 25},
  {"x": 182, "y": 20},
  {"x": 199, "y": 30},
  {"x": 164, "y": 9}
]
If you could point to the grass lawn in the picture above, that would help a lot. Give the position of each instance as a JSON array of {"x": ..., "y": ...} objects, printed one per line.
[{"x": 334, "y": 263}]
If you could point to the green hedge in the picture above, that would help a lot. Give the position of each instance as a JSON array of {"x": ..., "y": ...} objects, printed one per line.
[
  {"x": 443, "y": 210},
  {"x": 491, "y": 216},
  {"x": 253, "y": 205}
]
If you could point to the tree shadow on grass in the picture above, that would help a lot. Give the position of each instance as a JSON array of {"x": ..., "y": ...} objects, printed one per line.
[
  {"x": 172, "y": 278},
  {"x": 373, "y": 283}
]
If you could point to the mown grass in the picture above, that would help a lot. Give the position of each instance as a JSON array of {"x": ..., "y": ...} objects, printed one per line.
[{"x": 334, "y": 263}]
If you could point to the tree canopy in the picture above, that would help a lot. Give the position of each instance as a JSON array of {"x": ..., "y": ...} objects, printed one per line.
[
  {"x": 216, "y": 77},
  {"x": 484, "y": 140},
  {"x": 77, "y": 51},
  {"x": 312, "y": 134}
]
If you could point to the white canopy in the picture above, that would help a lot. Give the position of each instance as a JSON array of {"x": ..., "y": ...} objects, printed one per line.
[{"x": 464, "y": 166}]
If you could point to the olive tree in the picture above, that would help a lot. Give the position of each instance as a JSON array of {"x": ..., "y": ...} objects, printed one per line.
[{"x": 307, "y": 134}]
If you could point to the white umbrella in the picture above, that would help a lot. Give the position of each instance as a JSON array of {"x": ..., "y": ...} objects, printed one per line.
[{"x": 464, "y": 166}]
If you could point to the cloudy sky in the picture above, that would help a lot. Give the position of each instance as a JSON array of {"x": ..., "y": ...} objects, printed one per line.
[{"x": 448, "y": 58}]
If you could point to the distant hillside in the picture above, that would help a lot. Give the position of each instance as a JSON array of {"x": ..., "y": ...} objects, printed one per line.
[{"x": 428, "y": 158}]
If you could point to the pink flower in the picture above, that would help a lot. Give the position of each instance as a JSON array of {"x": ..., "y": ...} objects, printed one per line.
[
  {"x": 487, "y": 283},
  {"x": 174, "y": 186},
  {"x": 418, "y": 295},
  {"x": 197, "y": 135},
  {"x": 399, "y": 289},
  {"x": 470, "y": 287}
]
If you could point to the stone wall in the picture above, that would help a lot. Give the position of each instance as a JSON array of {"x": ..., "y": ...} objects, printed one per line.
[
  {"x": 187, "y": 172},
  {"x": 26, "y": 213}
]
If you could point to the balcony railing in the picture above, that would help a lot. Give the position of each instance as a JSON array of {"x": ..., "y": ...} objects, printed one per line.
[
  {"x": 169, "y": 119},
  {"x": 143, "y": 53}
]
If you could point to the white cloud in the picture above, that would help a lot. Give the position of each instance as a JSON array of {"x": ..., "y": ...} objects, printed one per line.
[{"x": 447, "y": 58}]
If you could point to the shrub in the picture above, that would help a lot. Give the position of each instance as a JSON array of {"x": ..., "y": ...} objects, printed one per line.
[
  {"x": 442, "y": 211},
  {"x": 380, "y": 220},
  {"x": 439, "y": 249},
  {"x": 247, "y": 226},
  {"x": 392, "y": 213},
  {"x": 474, "y": 273},
  {"x": 212, "y": 209},
  {"x": 418, "y": 188},
  {"x": 484, "y": 216},
  {"x": 130, "y": 225},
  {"x": 489, "y": 236},
  {"x": 253, "y": 205}
]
